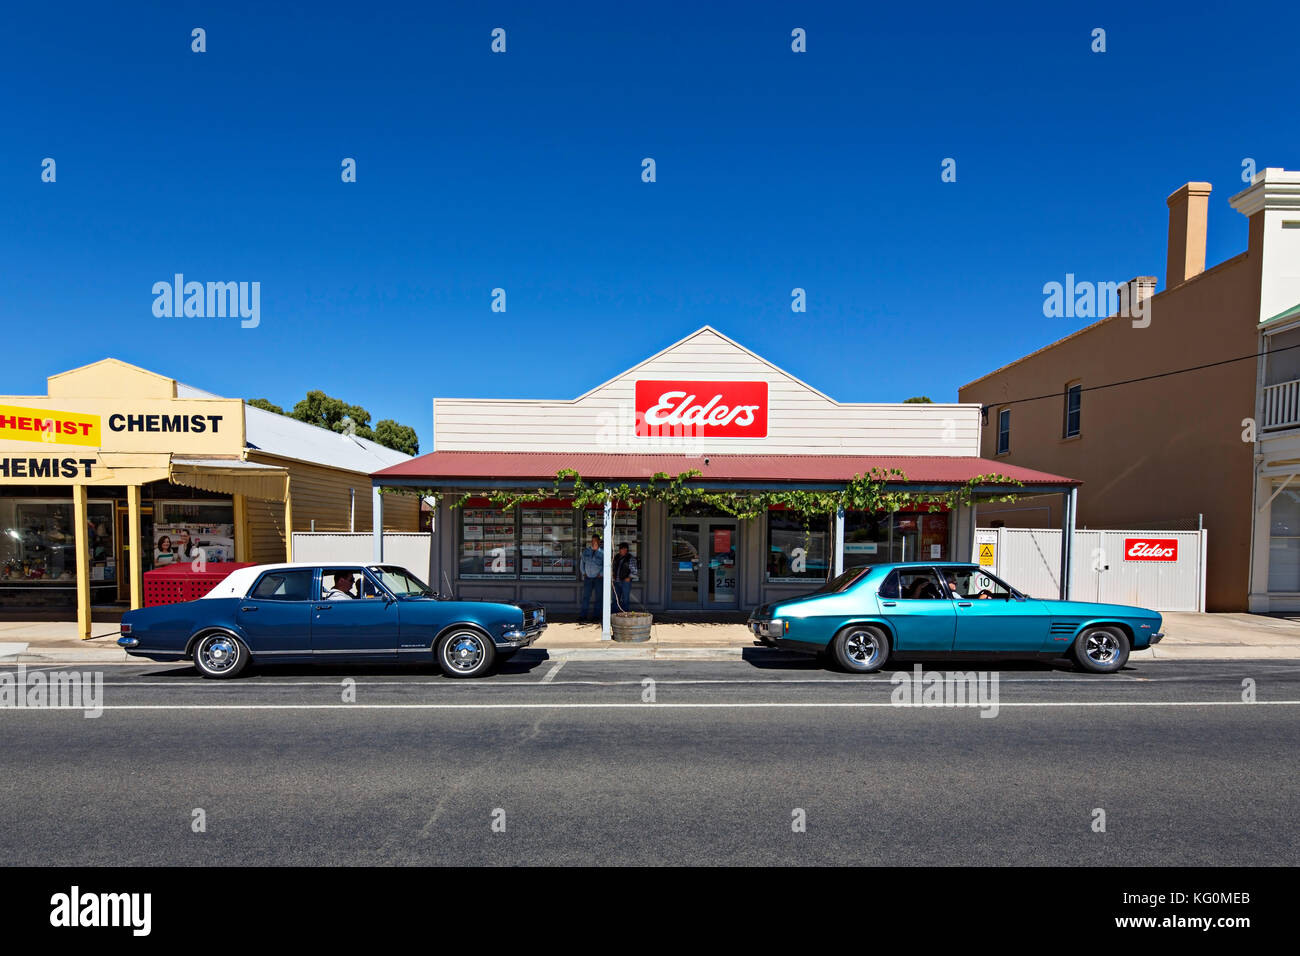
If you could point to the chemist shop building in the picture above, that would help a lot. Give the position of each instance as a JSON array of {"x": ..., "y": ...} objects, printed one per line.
[
  {"x": 708, "y": 404},
  {"x": 118, "y": 470}
]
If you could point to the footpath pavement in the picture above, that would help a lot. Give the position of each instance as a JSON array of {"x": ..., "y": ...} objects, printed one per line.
[{"x": 1187, "y": 637}]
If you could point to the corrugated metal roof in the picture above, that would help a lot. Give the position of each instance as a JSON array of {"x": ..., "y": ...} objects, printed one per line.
[
  {"x": 440, "y": 466},
  {"x": 1284, "y": 314},
  {"x": 289, "y": 438}
]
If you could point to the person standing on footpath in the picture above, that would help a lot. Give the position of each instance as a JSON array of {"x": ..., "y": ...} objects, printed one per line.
[
  {"x": 623, "y": 569},
  {"x": 593, "y": 577}
]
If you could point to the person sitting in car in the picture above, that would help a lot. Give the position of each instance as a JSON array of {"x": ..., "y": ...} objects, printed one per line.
[{"x": 342, "y": 589}]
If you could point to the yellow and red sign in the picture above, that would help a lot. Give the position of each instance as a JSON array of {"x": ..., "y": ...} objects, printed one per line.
[{"x": 19, "y": 423}]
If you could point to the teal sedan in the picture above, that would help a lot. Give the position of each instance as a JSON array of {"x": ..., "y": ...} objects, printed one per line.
[{"x": 923, "y": 610}]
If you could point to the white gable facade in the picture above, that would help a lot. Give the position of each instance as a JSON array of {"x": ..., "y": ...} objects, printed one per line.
[{"x": 705, "y": 394}]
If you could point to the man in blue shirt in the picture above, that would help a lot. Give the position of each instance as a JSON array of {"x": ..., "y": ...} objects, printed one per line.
[{"x": 593, "y": 577}]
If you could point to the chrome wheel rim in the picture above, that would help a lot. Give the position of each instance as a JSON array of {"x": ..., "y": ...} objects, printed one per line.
[
  {"x": 464, "y": 652},
  {"x": 862, "y": 648},
  {"x": 219, "y": 653},
  {"x": 1102, "y": 647}
]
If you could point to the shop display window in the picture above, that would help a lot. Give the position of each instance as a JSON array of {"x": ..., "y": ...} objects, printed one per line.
[
  {"x": 38, "y": 542},
  {"x": 184, "y": 529},
  {"x": 866, "y": 538},
  {"x": 879, "y": 537},
  {"x": 798, "y": 549}
]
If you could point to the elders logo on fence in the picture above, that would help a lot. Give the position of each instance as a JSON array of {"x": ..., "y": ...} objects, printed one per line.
[
  {"x": 1150, "y": 549},
  {"x": 701, "y": 409}
]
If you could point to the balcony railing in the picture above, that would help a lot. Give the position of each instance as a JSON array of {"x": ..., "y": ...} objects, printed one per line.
[{"x": 1282, "y": 405}]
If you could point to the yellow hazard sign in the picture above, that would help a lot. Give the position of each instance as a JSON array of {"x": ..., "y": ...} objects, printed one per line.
[{"x": 988, "y": 554}]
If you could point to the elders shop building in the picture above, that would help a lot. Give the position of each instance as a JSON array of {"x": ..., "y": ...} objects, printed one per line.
[{"x": 776, "y": 432}]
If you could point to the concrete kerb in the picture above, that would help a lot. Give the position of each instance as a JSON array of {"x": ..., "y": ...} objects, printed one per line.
[{"x": 1191, "y": 637}]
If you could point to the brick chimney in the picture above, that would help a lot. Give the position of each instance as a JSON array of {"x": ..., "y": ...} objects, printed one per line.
[
  {"x": 1188, "y": 212},
  {"x": 1134, "y": 293}
]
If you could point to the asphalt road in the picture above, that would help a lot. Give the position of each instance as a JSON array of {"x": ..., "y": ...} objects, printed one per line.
[{"x": 583, "y": 770}]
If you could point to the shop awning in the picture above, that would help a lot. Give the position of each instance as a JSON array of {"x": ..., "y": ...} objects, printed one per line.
[
  {"x": 231, "y": 477},
  {"x": 469, "y": 469}
]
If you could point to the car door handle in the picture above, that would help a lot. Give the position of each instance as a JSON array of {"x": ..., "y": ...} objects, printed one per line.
[
  {"x": 889, "y": 603},
  {"x": 963, "y": 603},
  {"x": 324, "y": 607},
  {"x": 248, "y": 608}
]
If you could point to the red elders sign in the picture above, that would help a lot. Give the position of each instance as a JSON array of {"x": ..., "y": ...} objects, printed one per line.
[
  {"x": 701, "y": 409},
  {"x": 1150, "y": 549}
]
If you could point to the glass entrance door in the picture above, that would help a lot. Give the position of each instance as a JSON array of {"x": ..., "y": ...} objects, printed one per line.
[{"x": 703, "y": 564}]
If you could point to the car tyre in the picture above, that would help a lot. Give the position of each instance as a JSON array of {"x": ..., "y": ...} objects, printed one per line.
[
  {"x": 1102, "y": 650},
  {"x": 465, "y": 652},
  {"x": 219, "y": 655},
  {"x": 860, "y": 648}
]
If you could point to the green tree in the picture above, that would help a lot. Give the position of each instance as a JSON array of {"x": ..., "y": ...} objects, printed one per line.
[
  {"x": 325, "y": 411},
  {"x": 918, "y": 400},
  {"x": 400, "y": 437},
  {"x": 266, "y": 405}
]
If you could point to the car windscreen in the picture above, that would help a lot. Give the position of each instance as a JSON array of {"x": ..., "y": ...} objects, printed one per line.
[{"x": 401, "y": 582}]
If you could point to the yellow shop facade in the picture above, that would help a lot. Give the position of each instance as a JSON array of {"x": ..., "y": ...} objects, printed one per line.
[{"x": 117, "y": 470}]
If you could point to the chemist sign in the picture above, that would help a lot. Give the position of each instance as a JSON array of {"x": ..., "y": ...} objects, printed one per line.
[{"x": 71, "y": 440}]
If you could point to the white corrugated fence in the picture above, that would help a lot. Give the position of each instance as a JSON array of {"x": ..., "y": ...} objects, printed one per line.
[{"x": 1161, "y": 570}]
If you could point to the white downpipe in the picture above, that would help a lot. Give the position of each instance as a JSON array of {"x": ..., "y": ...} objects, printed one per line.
[
  {"x": 607, "y": 542},
  {"x": 839, "y": 542}
]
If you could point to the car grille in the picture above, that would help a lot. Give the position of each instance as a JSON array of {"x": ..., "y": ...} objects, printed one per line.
[{"x": 532, "y": 617}]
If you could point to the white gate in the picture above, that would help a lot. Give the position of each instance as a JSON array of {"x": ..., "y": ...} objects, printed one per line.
[
  {"x": 1161, "y": 570},
  {"x": 410, "y": 550}
]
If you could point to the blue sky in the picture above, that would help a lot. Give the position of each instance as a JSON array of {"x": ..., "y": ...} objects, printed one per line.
[{"x": 522, "y": 170}]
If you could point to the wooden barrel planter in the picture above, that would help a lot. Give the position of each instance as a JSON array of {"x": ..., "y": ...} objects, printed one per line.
[{"x": 631, "y": 626}]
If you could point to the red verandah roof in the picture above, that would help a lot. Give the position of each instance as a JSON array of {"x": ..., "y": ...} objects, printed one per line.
[{"x": 442, "y": 467}]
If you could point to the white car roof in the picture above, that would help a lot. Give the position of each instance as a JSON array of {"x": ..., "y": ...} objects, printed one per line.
[{"x": 238, "y": 581}]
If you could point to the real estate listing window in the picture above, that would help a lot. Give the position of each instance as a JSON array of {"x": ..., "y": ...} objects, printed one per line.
[
  {"x": 488, "y": 539},
  {"x": 1004, "y": 431},
  {"x": 536, "y": 541},
  {"x": 1073, "y": 402},
  {"x": 627, "y": 527},
  {"x": 547, "y": 543}
]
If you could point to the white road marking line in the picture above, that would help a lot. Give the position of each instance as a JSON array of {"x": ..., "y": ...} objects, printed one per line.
[
  {"x": 757, "y": 705},
  {"x": 549, "y": 676}
]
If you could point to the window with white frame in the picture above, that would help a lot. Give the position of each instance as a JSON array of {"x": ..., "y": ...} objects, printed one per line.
[{"x": 1284, "y": 542}]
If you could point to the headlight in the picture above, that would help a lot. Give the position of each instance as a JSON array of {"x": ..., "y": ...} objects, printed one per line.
[{"x": 774, "y": 628}]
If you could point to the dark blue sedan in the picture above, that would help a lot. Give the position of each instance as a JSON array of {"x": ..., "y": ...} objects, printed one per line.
[{"x": 330, "y": 612}]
